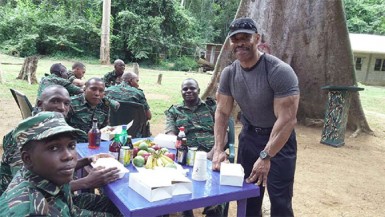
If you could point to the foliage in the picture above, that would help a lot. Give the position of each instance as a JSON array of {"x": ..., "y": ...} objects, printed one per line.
[
  {"x": 144, "y": 29},
  {"x": 185, "y": 64},
  {"x": 365, "y": 16},
  {"x": 213, "y": 16},
  {"x": 30, "y": 28}
]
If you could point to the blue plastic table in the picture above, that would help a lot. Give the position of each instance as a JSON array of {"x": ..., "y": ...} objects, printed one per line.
[{"x": 205, "y": 193}]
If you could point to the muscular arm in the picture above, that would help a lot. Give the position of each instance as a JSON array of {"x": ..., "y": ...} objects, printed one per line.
[
  {"x": 222, "y": 114},
  {"x": 285, "y": 109}
]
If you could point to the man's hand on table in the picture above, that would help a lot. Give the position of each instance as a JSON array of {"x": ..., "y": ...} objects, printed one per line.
[
  {"x": 100, "y": 176},
  {"x": 217, "y": 159}
]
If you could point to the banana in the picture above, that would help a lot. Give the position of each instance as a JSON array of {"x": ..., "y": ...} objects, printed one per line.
[
  {"x": 149, "y": 163},
  {"x": 154, "y": 162},
  {"x": 164, "y": 160},
  {"x": 160, "y": 162},
  {"x": 136, "y": 144},
  {"x": 169, "y": 160}
]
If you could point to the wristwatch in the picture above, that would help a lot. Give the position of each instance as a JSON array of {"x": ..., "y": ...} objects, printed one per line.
[{"x": 264, "y": 155}]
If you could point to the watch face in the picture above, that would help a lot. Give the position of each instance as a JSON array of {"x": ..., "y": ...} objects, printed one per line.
[{"x": 263, "y": 154}]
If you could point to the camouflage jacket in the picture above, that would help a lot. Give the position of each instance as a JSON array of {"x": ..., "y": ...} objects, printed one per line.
[
  {"x": 54, "y": 79},
  {"x": 110, "y": 79},
  {"x": 31, "y": 195},
  {"x": 125, "y": 93},
  {"x": 10, "y": 162},
  {"x": 71, "y": 76},
  {"x": 81, "y": 113},
  {"x": 198, "y": 123}
]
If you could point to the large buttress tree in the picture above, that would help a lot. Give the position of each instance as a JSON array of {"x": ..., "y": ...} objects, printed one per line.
[{"x": 312, "y": 37}]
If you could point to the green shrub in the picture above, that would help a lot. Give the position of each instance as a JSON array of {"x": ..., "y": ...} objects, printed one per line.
[{"x": 185, "y": 64}]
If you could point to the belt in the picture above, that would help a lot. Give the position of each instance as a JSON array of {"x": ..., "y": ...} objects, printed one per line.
[{"x": 260, "y": 130}]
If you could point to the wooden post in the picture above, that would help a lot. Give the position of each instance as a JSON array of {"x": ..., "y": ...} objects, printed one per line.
[
  {"x": 160, "y": 75},
  {"x": 28, "y": 70},
  {"x": 105, "y": 36},
  {"x": 136, "y": 68},
  {"x": 1, "y": 77}
]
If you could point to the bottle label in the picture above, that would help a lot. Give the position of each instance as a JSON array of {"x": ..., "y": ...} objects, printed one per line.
[{"x": 115, "y": 154}]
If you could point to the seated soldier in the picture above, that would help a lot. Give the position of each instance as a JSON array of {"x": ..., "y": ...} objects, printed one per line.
[
  {"x": 197, "y": 117},
  {"x": 56, "y": 98},
  {"x": 58, "y": 76},
  {"x": 41, "y": 187},
  {"x": 128, "y": 91},
  {"x": 114, "y": 77},
  {"x": 76, "y": 75},
  {"x": 89, "y": 105}
]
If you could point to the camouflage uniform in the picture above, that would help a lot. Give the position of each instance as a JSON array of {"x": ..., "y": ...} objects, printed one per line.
[
  {"x": 110, "y": 79},
  {"x": 30, "y": 194},
  {"x": 81, "y": 113},
  {"x": 125, "y": 93},
  {"x": 54, "y": 79},
  {"x": 71, "y": 76},
  {"x": 198, "y": 123},
  {"x": 10, "y": 162},
  {"x": 199, "y": 128}
]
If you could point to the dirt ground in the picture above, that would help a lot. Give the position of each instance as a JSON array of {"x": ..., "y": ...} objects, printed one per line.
[{"x": 345, "y": 181}]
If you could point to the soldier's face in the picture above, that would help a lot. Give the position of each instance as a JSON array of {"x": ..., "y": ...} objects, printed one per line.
[
  {"x": 190, "y": 91},
  {"x": 53, "y": 159},
  {"x": 94, "y": 92},
  {"x": 79, "y": 72},
  {"x": 55, "y": 101},
  {"x": 119, "y": 68}
]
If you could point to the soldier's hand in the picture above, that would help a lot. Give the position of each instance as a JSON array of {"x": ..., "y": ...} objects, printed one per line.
[{"x": 100, "y": 176}]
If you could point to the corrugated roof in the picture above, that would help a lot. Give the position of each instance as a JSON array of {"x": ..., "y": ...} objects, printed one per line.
[{"x": 367, "y": 43}]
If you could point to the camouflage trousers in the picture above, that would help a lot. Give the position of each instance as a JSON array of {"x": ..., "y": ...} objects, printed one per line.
[{"x": 96, "y": 203}]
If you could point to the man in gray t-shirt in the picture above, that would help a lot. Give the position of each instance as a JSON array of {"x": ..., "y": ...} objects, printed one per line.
[{"x": 266, "y": 90}]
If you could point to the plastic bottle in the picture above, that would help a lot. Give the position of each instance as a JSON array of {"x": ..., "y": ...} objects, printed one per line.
[
  {"x": 94, "y": 135},
  {"x": 180, "y": 136},
  {"x": 123, "y": 135},
  {"x": 181, "y": 155},
  {"x": 115, "y": 146}
]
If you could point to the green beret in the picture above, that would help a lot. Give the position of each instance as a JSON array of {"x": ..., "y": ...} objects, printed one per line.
[{"x": 41, "y": 126}]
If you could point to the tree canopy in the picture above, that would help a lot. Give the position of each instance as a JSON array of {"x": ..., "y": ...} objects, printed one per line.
[{"x": 141, "y": 30}]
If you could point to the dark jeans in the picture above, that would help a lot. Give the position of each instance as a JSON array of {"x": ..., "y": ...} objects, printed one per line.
[{"x": 281, "y": 176}]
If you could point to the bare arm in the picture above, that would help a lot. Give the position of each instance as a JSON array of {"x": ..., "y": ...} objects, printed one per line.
[
  {"x": 222, "y": 114},
  {"x": 285, "y": 109}
]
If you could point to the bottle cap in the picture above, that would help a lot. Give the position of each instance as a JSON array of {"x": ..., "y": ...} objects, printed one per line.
[{"x": 181, "y": 128}]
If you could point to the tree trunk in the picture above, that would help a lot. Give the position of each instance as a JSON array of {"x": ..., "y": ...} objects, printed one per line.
[
  {"x": 312, "y": 37},
  {"x": 105, "y": 36},
  {"x": 28, "y": 70},
  {"x": 135, "y": 67}
]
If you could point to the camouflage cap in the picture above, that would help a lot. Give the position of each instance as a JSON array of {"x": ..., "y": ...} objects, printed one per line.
[{"x": 41, "y": 126}]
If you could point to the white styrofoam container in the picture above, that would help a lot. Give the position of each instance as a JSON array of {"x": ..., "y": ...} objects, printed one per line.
[
  {"x": 231, "y": 174},
  {"x": 109, "y": 162},
  {"x": 151, "y": 186}
]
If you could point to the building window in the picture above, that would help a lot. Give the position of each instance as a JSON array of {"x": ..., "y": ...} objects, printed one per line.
[
  {"x": 379, "y": 65},
  {"x": 383, "y": 65},
  {"x": 358, "y": 63}
]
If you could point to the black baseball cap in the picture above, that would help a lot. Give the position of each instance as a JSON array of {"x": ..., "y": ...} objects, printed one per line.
[{"x": 243, "y": 25}]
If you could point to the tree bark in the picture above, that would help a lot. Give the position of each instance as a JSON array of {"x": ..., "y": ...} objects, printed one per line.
[
  {"x": 105, "y": 36},
  {"x": 135, "y": 67},
  {"x": 28, "y": 70},
  {"x": 312, "y": 37}
]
